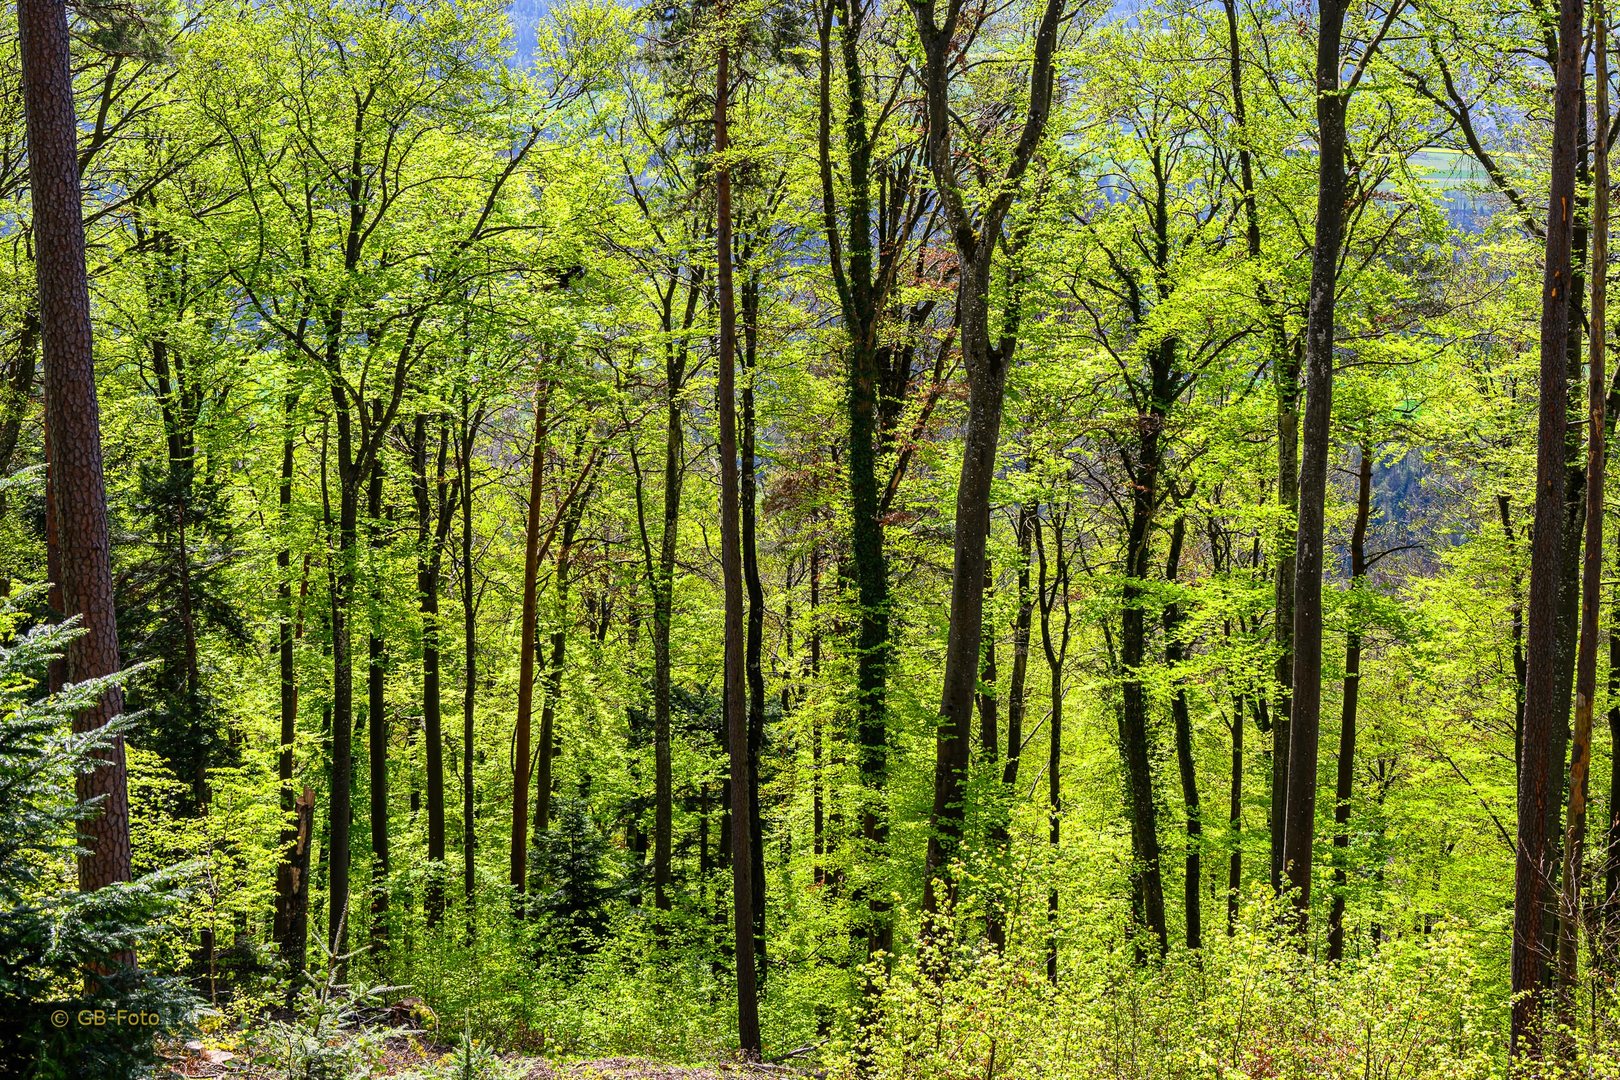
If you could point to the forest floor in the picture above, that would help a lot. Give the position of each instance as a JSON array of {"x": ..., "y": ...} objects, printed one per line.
[{"x": 403, "y": 1055}]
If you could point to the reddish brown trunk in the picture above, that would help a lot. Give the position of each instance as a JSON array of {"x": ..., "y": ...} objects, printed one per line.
[
  {"x": 72, "y": 418},
  {"x": 1534, "y": 869}
]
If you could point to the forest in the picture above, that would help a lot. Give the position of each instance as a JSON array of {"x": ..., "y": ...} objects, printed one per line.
[{"x": 858, "y": 539}]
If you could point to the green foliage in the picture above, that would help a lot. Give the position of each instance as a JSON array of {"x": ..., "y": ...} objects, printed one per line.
[{"x": 52, "y": 937}]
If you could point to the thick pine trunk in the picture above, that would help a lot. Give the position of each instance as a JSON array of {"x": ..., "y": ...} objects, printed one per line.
[{"x": 72, "y": 420}]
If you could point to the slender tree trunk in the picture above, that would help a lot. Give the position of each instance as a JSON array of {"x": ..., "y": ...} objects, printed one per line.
[
  {"x": 547, "y": 754},
  {"x": 342, "y": 582},
  {"x": 754, "y": 639},
  {"x": 1285, "y": 374},
  {"x": 1299, "y": 831},
  {"x": 525, "y": 701},
  {"x": 1234, "y": 861},
  {"x": 663, "y": 590},
  {"x": 1609, "y": 926},
  {"x": 1056, "y": 647},
  {"x": 287, "y": 874},
  {"x": 1533, "y": 870},
  {"x": 1175, "y": 652},
  {"x": 1571, "y": 908},
  {"x": 469, "y": 686},
  {"x": 1016, "y": 703},
  {"x": 1347, "y": 723},
  {"x": 817, "y": 781},
  {"x": 72, "y": 418},
  {"x": 434, "y": 511},
  {"x": 736, "y": 690},
  {"x": 377, "y": 723}
]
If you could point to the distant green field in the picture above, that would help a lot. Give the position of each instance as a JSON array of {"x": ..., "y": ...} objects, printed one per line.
[{"x": 1448, "y": 167}]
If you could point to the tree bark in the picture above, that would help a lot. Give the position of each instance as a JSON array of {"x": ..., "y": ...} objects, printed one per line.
[
  {"x": 1347, "y": 722},
  {"x": 435, "y": 497},
  {"x": 377, "y": 723},
  {"x": 525, "y": 702},
  {"x": 1052, "y": 599},
  {"x": 469, "y": 686},
  {"x": 1285, "y": 375},
  {"x": 292, "y": 950},
  {"x": 975, "y": 236},
  {"x": 1175, "y": 652},
  {"x": 72, "y": 419},
  {"x": 736, "y": 690},
  {"x": 1580, "y": 763},
  {"x": 1533, "y": 869},
  {"x": 754, "y": 639},
  {"x": 1299, "y": 827}
]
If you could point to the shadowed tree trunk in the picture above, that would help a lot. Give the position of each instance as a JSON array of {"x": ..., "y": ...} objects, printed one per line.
[
  {"x": 1580, "y": 763},
  {"x": 469, "y": 687},
  {"x": 1053, "y": 597},
  {"x": 1533, "y": 868},
  {"x": 287, "y": 633},
  {"x": 1347, "y": 722},
  {"x": 975, "y": 236},
  {"x": 525, "y": 702},
  {"x": 736, "y": 689},
  {"x": 1174, "y": 653},
  {"x": 1285, "y": 375},
  {"x": 754, "y": 638},
  {"x": 72, "y": 420},
  {"x": 1304, "y": 718},
  {"x": 377, "y": 721},
  {"x": 435, "y": 492}
]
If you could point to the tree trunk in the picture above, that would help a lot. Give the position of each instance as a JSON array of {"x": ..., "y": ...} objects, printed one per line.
[
  {"x": 1299, "y": 828},
  {"x": 1580, "y": 762},
  {"x": 1175, "y": 652},
  {"x": 292, "y": 950},
  {"x": 863, "y": 292},
  {"x": 525, "y": 701},
  {"x": 72, "y": 419},
  {"x": 1016, "y": 704},
  {"x": 377, "y": 724},
  {"x": 1285, "y": 375},
  {"x": 736, "y": 690},
  {"x": 1347, "y": 722},
  {"x": 546, "y": 756},
  {"x": 435, "y": 509},
  {"x": 1533, "y": 868},
  {"x": 754, "y": 639},
  {"x": 1234, "y": 861},
  {"x": 1056, "y": 649},
  {"x": 975, "y": 234},
  {"x": 469, "y": 687},
  {"x": 663, "y": 590}
]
